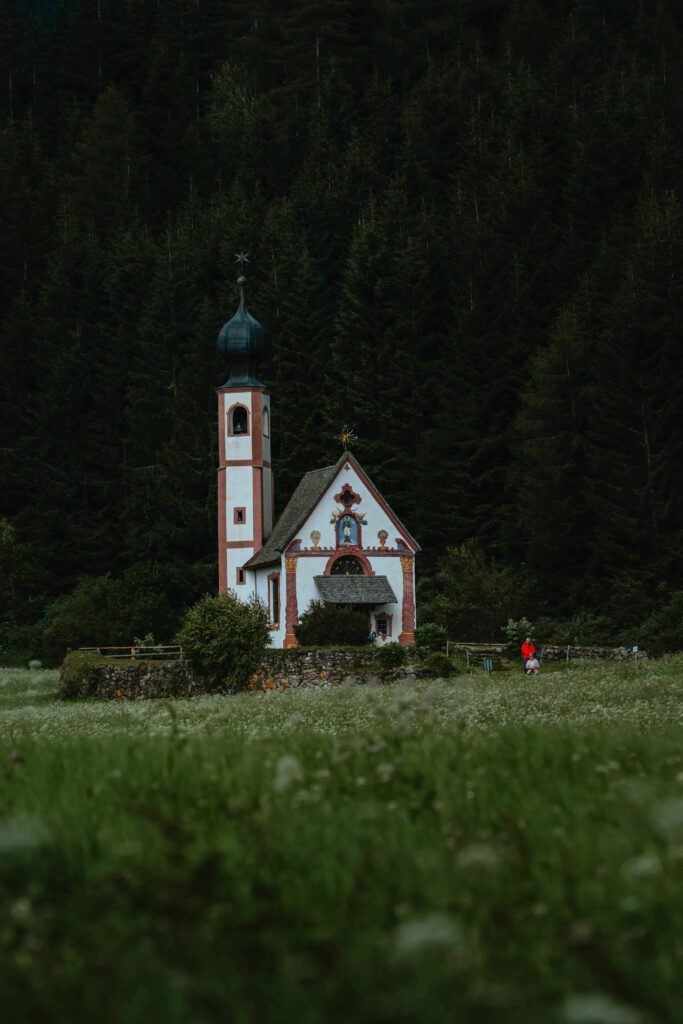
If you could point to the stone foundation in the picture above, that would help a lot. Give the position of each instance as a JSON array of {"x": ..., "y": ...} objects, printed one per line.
[{"x": 299, "y": 668}]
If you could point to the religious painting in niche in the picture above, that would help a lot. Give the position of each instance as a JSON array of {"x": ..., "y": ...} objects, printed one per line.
[
  {"x": 347, "y": 530},
  {"x": 347, "y": 565}
]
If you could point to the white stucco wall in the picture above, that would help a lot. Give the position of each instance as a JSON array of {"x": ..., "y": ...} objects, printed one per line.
[
  {"x": 258, "y": 584},
  {"x": 236, "y": 446},
  {"x": 377, "y": 518},
  {"x": 242, "y": 483}
]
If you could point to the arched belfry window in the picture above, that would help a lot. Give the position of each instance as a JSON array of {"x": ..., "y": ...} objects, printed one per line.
[
  {"x": 266, "y": 422},
  {"x": 238, "y": 420}
]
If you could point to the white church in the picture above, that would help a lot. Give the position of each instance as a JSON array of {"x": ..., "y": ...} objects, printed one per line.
[{"x": 336, "y": 541}]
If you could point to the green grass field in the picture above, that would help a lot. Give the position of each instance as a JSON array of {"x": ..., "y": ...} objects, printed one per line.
[{"x": 487, "y": 849}]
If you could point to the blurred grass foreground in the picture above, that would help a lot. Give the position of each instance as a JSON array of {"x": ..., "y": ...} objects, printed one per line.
[{"x": 479, "y": 850}]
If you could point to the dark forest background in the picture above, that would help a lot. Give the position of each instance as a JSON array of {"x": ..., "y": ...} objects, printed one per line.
[{"x": 466, "y": 235}]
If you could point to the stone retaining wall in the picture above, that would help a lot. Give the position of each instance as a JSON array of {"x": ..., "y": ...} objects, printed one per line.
[
  {"x": 137, "y": 680},
  {"x": 558, "y": 653},
  {"x": 294, "y": 669},
  {"x": 298, "y": 668},
  {"x": 280, "y": 670}
]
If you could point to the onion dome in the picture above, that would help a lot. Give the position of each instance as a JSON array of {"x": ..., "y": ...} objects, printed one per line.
[{"x": 242, "y": 341}]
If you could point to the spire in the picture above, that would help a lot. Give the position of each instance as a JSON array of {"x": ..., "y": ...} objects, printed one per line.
[{"x": 242, "y": 340}]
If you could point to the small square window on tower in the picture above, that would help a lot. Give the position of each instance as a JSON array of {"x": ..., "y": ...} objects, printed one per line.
[
  {"x": 241, "y": 576},
  {"x": 240, "y": 515}
]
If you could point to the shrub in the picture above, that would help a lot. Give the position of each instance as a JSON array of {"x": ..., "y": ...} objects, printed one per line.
[
  {"x": 439, "y": 664},
  {"x": 517, "y": 630},
  {"x": 472, "y": 595},
  {"x": 663, "y": 631},
  {"x": 430, "y": 637},
  {"x": 582, "y": 628},
  {"x": 146, "y": 598},
  {"x": 77, "y": 674},
  {"x": 391, "y": 656},
  {"x": 18, "y": 642},
  {"x": 224, "y": 638},
  {"x": 322, "y": 625}
]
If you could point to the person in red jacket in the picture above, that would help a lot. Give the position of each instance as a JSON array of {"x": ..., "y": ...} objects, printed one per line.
[{"x": 528, "y": 651}]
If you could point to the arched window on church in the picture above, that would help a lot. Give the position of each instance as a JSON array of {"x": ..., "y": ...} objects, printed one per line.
[
  {"x": 238, "y": 420},
  {"x": 347, "y": 565},
  {"x": 266, "y": 422}
]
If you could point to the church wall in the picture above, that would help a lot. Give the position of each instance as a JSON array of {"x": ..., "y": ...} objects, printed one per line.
[
  {"x": 311, "y": 559},
  {"x": 307, "y": 568},
  {"x": 377, "y": 518},
  {"x": 267, "y": 501},
  {"x": 383, "y": 564},
  {"x": 239, "y": 493},
  {"x": 259, "y": 585}
]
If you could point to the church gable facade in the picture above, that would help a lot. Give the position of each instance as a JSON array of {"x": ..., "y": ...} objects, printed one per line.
[{"x": 337, "y": 540}]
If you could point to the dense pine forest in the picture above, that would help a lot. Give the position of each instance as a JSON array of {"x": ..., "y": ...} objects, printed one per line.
[{"x": 466, "y": 241}]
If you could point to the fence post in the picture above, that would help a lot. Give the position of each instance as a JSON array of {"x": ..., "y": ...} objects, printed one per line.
[{"x": 567, "y": 653}]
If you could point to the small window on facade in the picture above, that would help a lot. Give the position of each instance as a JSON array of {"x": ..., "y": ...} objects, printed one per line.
[
  {"x": 266, "y": 423},
  {"x": 240, "y": 515},
  {"x": 274, "y": 598},
  {"x": 241, "y": 576},
  {"x": 382, "y": 625},
  {"x": 239, "y": 420}
]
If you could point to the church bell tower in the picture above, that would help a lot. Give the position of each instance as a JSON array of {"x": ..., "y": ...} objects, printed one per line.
[{"x": 245, "y": 476}]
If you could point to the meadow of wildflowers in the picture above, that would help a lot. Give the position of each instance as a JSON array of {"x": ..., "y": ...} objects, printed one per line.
[{"x": 496, "y": 849}]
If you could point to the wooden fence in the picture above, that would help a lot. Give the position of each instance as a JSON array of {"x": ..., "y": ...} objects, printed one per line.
[
  {"x": 487, "y": 656},
  {"x": 160, "y": 652}
]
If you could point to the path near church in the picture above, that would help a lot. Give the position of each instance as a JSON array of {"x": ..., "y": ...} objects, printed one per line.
[{"x": 481, "y": 849}]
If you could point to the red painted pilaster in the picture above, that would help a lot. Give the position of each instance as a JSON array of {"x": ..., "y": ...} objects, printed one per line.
[
  {"x": 291, "y": 609},
  {"x": 408, "y": 619}
]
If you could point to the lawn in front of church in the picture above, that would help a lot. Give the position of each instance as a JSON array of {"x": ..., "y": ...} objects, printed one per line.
[{"x": 484, "y": 849}]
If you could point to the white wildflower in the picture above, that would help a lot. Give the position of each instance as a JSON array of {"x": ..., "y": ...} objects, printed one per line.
[
  {"x": 21, "y": 835},
  {"x": 478, "y": 855},
  {"x": 20, "y": 910},
  {"x": 598, "y": 1009},
  {"x": 288, "y": 772},
  {"x": 668, "y": 816},
  {"x": 430, "y": 933},
  {"x": 643, "y": 866}
]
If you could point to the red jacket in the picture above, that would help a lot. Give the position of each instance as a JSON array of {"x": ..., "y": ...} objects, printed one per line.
[{"x": 528, "y": 650}]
